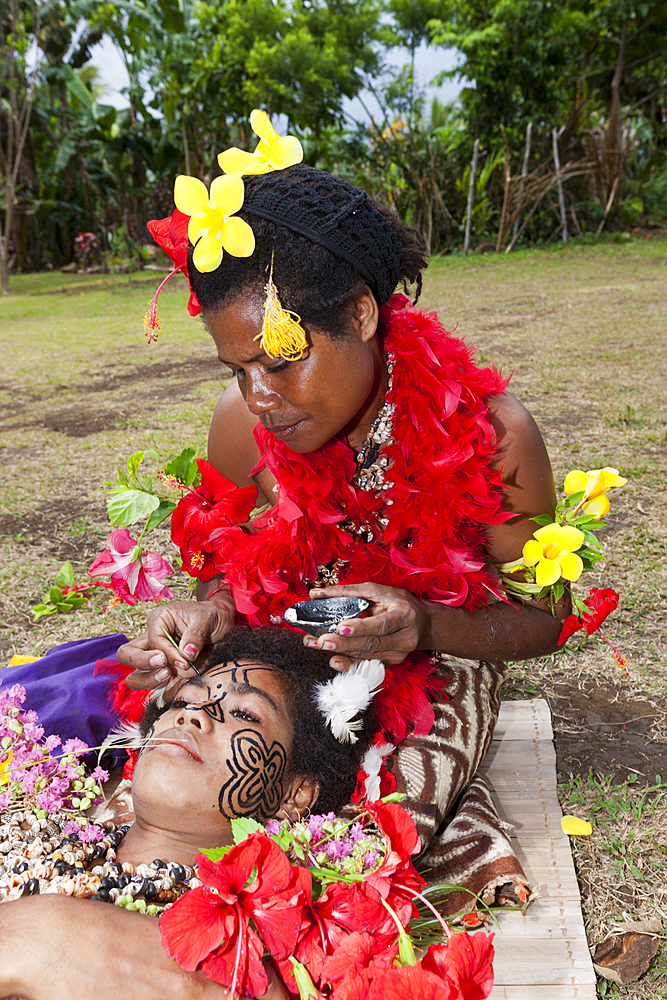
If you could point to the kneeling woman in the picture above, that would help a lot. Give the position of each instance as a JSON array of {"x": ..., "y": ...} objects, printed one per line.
[{"x": 244, "y": 739}]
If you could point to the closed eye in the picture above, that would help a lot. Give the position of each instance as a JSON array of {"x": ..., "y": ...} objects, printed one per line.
[{"x": 245, "y": 716}]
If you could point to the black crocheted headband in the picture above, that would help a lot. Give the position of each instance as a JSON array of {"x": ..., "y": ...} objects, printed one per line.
[{"x": 333, "y": 213}]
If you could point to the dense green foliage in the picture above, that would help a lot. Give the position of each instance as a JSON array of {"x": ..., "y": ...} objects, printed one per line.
[{"x": 595, "y": 70}]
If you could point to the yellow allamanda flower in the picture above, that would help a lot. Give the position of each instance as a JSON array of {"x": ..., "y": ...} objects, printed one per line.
[
  {"x": 274, "y": 152},
  {"x": 595, "y": 485},
  {"x": 552, "y": 550},
  {"x": 5, "y": 768},
  {"x": 213, "y": 224}
]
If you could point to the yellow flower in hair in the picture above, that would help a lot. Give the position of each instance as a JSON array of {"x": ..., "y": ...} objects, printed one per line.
[
  {"x": 213, "y": 224},
  {"x": 552, "y": 549},
  {"x": 595, "y": 485},
  {"x": 274, "y": 152}
]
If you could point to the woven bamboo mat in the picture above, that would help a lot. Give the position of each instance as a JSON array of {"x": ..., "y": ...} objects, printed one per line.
[{"x": 541, "y": 954}]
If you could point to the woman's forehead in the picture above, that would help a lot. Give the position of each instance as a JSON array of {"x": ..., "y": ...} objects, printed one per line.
[{"x": 243, "y": 676}]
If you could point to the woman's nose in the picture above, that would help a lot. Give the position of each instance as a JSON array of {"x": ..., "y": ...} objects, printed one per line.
[
  {"x": 259, "y": 396},
  {"x": 195, "y": 716}
]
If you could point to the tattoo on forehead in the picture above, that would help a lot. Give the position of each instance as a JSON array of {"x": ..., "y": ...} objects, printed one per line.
[
  {"x": 212, "y": 706},
  {"x": 255, "y": 787}
]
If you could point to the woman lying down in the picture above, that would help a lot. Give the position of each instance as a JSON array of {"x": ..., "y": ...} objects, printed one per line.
[{"x": 245, "y": 738}]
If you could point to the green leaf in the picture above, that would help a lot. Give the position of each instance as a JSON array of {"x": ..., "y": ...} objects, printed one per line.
[
  {"x": 134, "y": 461},
  {"x": 78, "y": 89},
  {"x": 543, "y": 519},
  {"x": 55, "y": 595},
  {"x": 243, "y": 826},
  {"x": 580, "y": 606},
  {"x": 40, "y": 610},
  {"x": 393, "y": 797},
  {"x": 165, "y": 508},
  {"x": 215, "y": 853},
  {"x": 183, "y": 467},
  {"x": 129, "y": 506},
  {"x": 582, "y": 521},
  {"x": 66, "y": 151},
  {"x": 65, "y": 576}
]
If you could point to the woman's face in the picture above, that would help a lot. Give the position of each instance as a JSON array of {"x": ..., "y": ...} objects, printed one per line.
[
  {"x": 333, "y": 387},
  {"x": 221, "y": 750}
]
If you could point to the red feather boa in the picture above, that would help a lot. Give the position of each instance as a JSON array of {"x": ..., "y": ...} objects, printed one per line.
[
  {"x": 443, "y": 492},
  {"x": 443, "y": 495}
]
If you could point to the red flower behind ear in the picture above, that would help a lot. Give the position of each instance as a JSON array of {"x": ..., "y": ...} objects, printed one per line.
[
  {"x": 171, "y": 235},
  {"x": 601, "y": 603}
]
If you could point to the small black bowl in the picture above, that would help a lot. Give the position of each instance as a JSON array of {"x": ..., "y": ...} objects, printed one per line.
[{"x": 323, "y": 614}]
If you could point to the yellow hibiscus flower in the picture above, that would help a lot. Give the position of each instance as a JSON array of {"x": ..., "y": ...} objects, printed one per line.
[
  {"x": 595, "y": 485},
  {"x": 552, "y": 549},
  {"x": 274, "y": 152},
  {"x": 213, "y": 224}
]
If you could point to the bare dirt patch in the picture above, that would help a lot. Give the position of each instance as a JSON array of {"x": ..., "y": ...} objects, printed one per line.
[{"x": 601, "y": 729}]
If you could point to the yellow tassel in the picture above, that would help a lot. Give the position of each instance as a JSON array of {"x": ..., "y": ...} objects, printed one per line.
[{"x": 282, "y": 335}]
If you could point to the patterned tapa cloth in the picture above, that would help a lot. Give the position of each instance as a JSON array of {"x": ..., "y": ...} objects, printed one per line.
[{"x": 464, "y": 841}]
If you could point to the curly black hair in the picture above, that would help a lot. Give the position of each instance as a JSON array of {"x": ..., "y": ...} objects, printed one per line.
[
  {"x": 313, "y": 281},
  {"x": 316, "y": 753}
]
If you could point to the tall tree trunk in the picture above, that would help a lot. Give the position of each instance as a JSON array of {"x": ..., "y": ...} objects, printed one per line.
[
  {"x": 559, "y": 183},
  {"x": 471, "y": 195},
  {"x": 18, "y": 121},
  {"x": 524, "y": 171}
]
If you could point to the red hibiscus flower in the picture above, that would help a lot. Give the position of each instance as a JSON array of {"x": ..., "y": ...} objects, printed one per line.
[
  {"x": 171, "y": 235},
  {"x": 135, "y": 575},
  {"x": 601, "y": 603},
  {"x": 396, "y": 879},
  {"x": 411, "y": 981},
  {"x": 354, "y": 964},
  {"x": 204, "y": 514},
  {"x": 466, "y": 963},
  {"x": 209, "y": 927}
]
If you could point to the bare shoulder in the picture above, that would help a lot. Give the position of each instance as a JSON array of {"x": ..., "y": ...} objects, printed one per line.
[
  {"x": 232, "y": 448},
  {"x": 520, "y": 443},
  {"x": 522, "y": 459}
]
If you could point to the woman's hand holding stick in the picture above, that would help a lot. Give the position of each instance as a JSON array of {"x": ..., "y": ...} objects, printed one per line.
[{"x": 175, "y": 637}]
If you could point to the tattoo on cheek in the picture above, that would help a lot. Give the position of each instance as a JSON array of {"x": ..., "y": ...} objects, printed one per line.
[{"x": 255, "y": 787}]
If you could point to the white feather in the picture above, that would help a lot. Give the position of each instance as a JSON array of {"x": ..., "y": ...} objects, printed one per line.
[
  {"x": 346, "y": 695},
  {"x": 127, "y": 735},
  {"x": 371, "y": 764}
]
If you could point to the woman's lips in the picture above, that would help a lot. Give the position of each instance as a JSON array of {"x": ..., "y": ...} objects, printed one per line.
[
  {"x": 286, "y": 430},
  {"x": 178, "y": 745}
]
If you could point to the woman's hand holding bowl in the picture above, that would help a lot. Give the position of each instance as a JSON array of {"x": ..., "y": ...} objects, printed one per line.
[
  {"x": 193, "y": 625},
  {"x": 395, "y": 625}
]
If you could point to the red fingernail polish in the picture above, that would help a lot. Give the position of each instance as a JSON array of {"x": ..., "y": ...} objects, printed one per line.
[
  {"x": 345, "y": 630},
  {"x": 190, "y": 651},
  {"x": 328, "y": 645}
]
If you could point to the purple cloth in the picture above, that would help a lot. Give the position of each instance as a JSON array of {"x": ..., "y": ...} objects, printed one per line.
[{"x": 61, "y": 687}]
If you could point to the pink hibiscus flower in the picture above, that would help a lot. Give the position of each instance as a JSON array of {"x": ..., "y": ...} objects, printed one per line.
[{"x": 135, "y": 575}]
